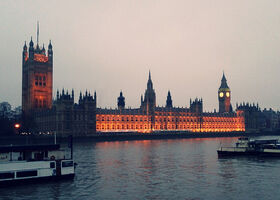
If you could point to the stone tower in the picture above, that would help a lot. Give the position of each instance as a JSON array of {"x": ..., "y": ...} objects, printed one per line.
[
  {"x": 196, "y": 106},
  {"x": 121, "y": 101},
  {"x": 149, "y": 101},
  {"x": 224, "y": 96},
  {"x": 169, "y": 100},
  {"x": 37, "y": 76}
]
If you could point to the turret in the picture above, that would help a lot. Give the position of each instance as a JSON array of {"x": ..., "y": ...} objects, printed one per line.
[
  {"x": 43, "y": 50},
  {"x": 50, "y": 52},
  {"x": 95, "y": 98},
  {"x": 25, "y": 47},
  {"x": 169, "y": 100},
  {"x": 80, "y": 97},
  {"x": 31, "y": 49},
  {"x": 121, "y": 101},
  {"x": 24, "y": 53}
]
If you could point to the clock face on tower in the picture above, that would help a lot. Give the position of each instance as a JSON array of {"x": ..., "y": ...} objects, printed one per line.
[
  {"x": 221, "y": 94},
  {"x": 227, "y": 94}
]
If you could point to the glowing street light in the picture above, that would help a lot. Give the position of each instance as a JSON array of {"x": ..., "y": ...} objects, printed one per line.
[{"x": 17, "y": 126}]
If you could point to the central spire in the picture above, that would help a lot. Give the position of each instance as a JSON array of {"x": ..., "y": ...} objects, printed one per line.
[
  {"x": 224, "y": 82},
  {"x": 150, "y": 83},
  {"x": 149, "y": 102},
  {"x": 37, "y": 33}
]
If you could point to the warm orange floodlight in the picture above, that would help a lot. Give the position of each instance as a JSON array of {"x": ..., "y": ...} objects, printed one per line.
[{"x": 17, "y": 126}]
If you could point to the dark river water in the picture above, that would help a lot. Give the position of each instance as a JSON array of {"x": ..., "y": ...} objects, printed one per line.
[{"x": 159, "y": 169}]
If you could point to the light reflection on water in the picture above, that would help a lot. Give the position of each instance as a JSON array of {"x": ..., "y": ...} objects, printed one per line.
[{"x": 159, "y": 169}]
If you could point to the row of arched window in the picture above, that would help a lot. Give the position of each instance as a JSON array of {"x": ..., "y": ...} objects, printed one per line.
[
  {"x": 120, "y": 127},
  {"x": 40, "y": 103},
  {"x": 135, "y": 122},
  {"x": 124, "y": 118},
  {"x": 40, "y": 80}
]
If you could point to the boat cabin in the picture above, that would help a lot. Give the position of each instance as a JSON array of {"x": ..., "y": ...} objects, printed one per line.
[
  {"x": 33, "y": 162},
  {"x": 31, "y": 153}
]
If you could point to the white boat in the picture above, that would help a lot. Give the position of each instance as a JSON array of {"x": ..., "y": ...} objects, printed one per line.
[
  {"x": 31, "y": 163},
  {"x": 247, "y": 147}
]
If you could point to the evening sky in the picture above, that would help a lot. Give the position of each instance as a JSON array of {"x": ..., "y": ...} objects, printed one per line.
[{"x": 108, "y": 46}]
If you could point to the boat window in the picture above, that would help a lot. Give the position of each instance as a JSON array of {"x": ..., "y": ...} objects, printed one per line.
[
  {"x": 27, "y": 173},
  {"x": 67, "y": 164},
  {"x": 7, "y": 175},
  {"x": 52, "y": 164}
]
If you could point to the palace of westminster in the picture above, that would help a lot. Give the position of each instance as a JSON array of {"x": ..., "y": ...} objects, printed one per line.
[{"x": 65, "y": 117}]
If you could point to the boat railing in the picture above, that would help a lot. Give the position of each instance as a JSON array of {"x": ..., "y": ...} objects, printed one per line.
[{"x": 233, "y": 149}]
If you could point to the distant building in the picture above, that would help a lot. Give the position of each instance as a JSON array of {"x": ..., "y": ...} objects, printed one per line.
[
  {"x": 67, "y": 117},
  {"x": 6, "y": 111},
  {"x": 149, "y": 117},
  {"x": 271, "y": 120},
  {"x": 254, "y": 119}
]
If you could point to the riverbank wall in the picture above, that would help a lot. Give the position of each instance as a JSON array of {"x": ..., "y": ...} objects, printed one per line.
[{"x": 123, "y": 136}]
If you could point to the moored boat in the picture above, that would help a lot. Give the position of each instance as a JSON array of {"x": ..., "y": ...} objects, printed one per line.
[
  {"x": 247, "y": 147},
  {"x": 30, "y": 163}
]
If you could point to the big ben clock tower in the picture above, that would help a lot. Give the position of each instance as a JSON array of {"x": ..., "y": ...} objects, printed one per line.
[{"x": 224, "y": 96}]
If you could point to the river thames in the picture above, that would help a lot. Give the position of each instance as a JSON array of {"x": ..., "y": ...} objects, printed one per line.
[{"x": 159, "y": 169}]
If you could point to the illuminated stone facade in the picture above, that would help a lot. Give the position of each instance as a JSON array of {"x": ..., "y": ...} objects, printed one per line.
[
  {"x": 150, "y": 118},
  {"x": 65, "y": 117},
  {"x": 174, "y": 119},
  {"x": 37, "y": 77}
]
